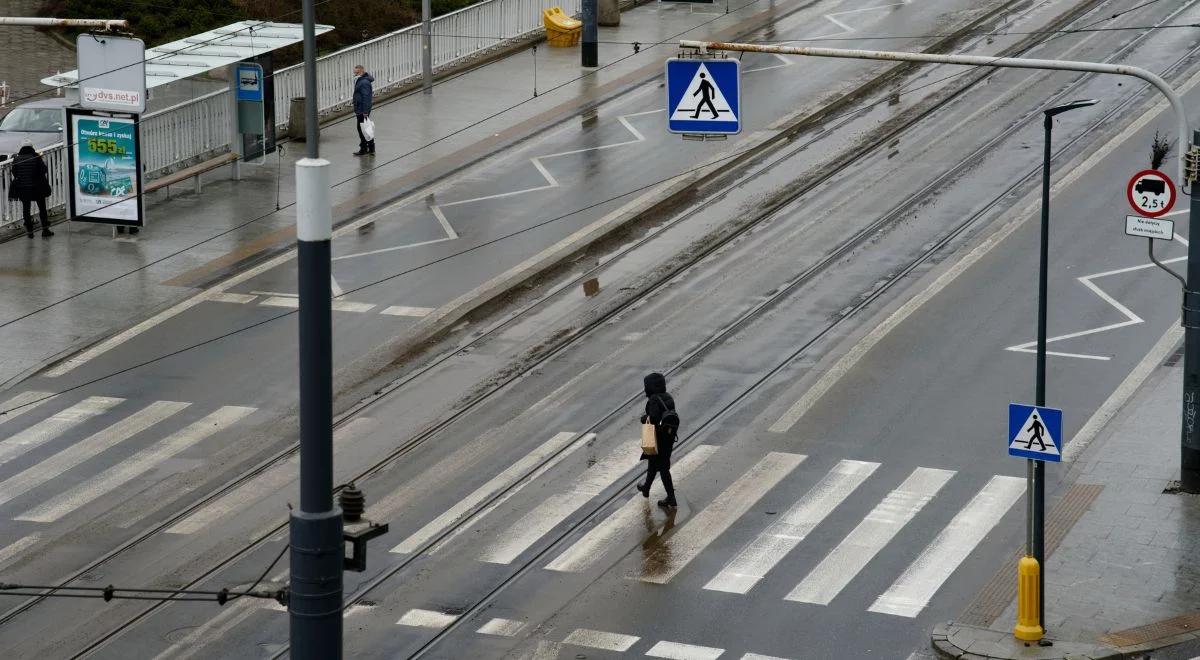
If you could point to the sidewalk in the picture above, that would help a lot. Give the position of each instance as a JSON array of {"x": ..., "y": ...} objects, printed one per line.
[
  {"x": 1125, "y": 578},
  {"x": 99, "y": 285}
]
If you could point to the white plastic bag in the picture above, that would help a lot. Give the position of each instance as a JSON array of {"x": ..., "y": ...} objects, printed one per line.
[{"x": 368, "y": 129}]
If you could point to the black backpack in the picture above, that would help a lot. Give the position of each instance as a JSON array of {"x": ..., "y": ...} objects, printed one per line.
[{"x": 669, "y": 419}]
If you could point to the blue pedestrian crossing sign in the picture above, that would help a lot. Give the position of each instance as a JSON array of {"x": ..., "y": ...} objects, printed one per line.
[
  {"x": 1034, "y": 432},
  {"x": 703, "y": 96}
]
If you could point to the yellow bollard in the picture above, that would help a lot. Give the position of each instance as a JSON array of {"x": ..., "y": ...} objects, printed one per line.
[{"x": 1028, "y": 628}]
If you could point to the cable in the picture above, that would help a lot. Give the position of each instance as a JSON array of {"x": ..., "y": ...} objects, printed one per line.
[
  {"x": 1121, "y": 13},
  {"x": 407, "y": 271},
  {"x": 462, "y": 252},
  {"x": 364, "y": 172},
  {"x": 256, "y": 23},
  {"x": 110, "y": 592},
  {"x": 268, "y": 570},
  {"x": 135, "y": 593}
]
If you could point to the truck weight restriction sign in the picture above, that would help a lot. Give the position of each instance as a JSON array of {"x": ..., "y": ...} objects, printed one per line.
[{"x": 1151, "y": 193}]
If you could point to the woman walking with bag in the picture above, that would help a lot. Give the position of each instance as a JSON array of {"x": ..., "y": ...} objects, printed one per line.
[
  {"x": 31, "y": 184},
  {"x": 660, "y": 427}
]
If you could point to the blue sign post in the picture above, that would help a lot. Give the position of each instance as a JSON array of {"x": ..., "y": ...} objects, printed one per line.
[
  {"x": 249, "y": 82},
  {"x": 703, "y": 96},
  {"x": 1035, "y": 432}
]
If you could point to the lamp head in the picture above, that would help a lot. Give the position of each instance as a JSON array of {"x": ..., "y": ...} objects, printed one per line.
[{"x": 1066, "y": 107}]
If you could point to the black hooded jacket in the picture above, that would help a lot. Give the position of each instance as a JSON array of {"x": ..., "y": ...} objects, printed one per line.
[
  {"x": 30, "y": 177},
  {"x": 657, "y": 403}
]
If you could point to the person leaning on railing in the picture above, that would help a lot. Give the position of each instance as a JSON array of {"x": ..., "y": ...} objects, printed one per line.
[{"x": 31, "y": 184}]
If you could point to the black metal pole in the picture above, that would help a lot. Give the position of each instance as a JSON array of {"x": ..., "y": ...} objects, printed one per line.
[
  {"x": 1189, "y": 459},
  {"x": 315, "y": 593},
  {"x": 591, "y": 34},
  {"x": 1039, "y": 469}
]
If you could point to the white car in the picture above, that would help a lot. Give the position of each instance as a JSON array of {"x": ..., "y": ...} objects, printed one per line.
[{"x": 39, "y": 121}]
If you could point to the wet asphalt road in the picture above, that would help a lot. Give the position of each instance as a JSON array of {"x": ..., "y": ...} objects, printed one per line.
[{"x": 935, "y": 390}]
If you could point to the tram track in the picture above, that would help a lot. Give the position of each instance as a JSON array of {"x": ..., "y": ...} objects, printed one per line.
[{"x": 749, "y": 315}]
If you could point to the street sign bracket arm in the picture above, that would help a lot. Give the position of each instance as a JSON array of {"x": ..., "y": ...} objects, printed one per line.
[{"x": 1163, "y": 266}]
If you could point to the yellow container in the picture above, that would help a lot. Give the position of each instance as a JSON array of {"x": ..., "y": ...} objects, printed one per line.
[{"x": 561, "y": 30}]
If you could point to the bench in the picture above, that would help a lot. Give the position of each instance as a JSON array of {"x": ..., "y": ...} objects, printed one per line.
[
  {"x": 188, "y": 173},
  {"x": 561, "y": 30}
]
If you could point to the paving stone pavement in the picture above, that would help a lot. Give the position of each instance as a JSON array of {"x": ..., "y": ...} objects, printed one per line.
[
  {"x": 66, "y": 292},
  {"x": 1134, "y": 557}
]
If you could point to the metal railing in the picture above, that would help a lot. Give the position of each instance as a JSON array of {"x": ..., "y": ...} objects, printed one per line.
[
  {"x": 199, "y": 129},
  {"x": 395, "y": 59}
]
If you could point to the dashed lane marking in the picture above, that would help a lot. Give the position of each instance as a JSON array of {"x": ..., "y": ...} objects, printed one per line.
[
  {"x": 236, "y": 298},
  {"x": 402, "y": 310},
  {"x": 680, "y": 651},
  {"x": 501, "y": 627},
  {"x": 291, "y": 301},
  {"x": 598, "y": 639},
  {"x": 418, "y": 618}
]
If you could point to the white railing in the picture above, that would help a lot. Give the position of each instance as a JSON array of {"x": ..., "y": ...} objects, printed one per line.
[
  {"x": 56, "y": 161},
  {"x": 395, "y": 59},
  {"x": 199, "y": 129}
]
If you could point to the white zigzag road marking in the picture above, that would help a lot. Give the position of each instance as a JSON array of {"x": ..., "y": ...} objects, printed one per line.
[
  {"x": 845, "y": 29},
  {"x": 438, "y": 210},
  {"x": 551, "y": 183},
  {"x": 1130, "y": 317}
]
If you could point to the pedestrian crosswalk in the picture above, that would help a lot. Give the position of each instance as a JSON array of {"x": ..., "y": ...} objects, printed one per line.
[
  {"x": 667, "y": 551},
  {"x": 111, "y": 443},
  {"x": 72, "y": 453},
  {"x": 860, "y": 546},
  {"x": 752, "y": 563}
]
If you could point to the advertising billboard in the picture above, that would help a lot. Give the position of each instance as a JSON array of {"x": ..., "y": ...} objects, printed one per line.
[
  {"x": 112, "y": 73},
  {"x": 105, "y": 167}
]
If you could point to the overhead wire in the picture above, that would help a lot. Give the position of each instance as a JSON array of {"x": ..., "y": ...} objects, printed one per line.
[
  {"x": 608, "y": 200},
  {"x": 687, "y": 172},
  {"x": 366, "y": 171}
]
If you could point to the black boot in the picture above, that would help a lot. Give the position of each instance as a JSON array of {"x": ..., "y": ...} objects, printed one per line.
[
  {"x": 668, "y": 502},
  {"x": 644, "y": 490},
  {"x": 46, "y": 233},
  {"x": 29, "y": 229}
]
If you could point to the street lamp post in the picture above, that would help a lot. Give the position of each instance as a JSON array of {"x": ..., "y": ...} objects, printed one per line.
[
  {"x": 1037, "y": 540},
  {"x": 317, "y": 549}
]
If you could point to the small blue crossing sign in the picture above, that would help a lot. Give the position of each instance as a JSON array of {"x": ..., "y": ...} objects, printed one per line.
[
  {"x": 703, "y": 96},
  {"x": 1034, "y": 432}
]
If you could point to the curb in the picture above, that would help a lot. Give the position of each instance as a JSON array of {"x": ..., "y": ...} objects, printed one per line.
[{"x": 959, "y": 641}]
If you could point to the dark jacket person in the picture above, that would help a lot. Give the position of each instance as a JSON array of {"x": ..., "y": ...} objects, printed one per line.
[
  {"x": 31, "y": 184},
  {"x": 364, "y": 95},
  {"x": 658, "y": 403}
]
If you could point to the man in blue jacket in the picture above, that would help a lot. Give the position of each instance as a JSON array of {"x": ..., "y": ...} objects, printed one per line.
[{"x": 363, "y": 93}]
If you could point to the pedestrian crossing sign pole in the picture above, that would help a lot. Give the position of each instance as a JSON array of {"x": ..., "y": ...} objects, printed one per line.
[
  {"x": 1035, "y": 434},
  {"x": 703, "y": 97}
]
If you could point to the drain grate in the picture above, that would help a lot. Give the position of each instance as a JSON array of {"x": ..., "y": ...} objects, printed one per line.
[
  {"x": 1174, "y": 358},
  {"x": 1153, "y": 631}
]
